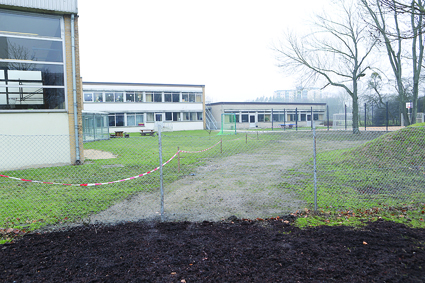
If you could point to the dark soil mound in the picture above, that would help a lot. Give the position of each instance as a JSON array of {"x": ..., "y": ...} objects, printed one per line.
[{"x": 238, "y": 251}]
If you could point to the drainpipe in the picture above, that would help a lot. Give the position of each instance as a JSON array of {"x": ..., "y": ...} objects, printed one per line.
[{"x": 74, "y": 93}]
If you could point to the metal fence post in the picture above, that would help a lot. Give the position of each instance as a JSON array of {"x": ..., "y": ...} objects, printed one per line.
[
  {"x": 386, "y": 105},
  {"x": 327, "y": 114},
  {"x": 345, "y": 116},
  {"x": 178, "y": 158},
  {"x": 160, "y": 171},
  {"x": 365, "y": 117},
  {"x": 315, "y": 168}
]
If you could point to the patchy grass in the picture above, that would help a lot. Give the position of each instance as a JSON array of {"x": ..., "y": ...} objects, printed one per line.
[{"x": 386, "y": 172}]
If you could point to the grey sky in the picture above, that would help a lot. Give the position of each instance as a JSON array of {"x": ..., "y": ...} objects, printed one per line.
[{"x": 223, "y": 44}]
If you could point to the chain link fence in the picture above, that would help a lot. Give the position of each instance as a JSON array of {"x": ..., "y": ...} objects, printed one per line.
[{"x": 205, "y": 176}]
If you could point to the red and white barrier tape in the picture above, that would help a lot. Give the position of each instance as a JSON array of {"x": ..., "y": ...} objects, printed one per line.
[
  {"x": 201, "y": 150},
  {"x": 107, "y": 183}
]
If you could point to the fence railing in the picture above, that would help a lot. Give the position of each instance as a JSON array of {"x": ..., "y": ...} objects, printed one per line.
[{"x": 254, "y": 174}]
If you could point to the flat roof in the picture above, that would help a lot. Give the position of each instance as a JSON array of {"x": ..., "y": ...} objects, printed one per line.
[
  {"x": 141, "y": 84},
  {"x": 266, "y": 103}
]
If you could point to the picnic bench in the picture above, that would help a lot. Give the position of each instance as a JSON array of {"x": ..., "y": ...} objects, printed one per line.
[
  {"x": 119, "y": 134},
  {"x": 288, "y": 126},
  {"x": 147, "y": 132}
]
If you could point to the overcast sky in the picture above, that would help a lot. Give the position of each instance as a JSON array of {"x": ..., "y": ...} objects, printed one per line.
[{"x": 222, "y": 44}]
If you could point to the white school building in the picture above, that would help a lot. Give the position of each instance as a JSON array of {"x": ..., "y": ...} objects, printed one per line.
[{"x": 132, "y": 107}]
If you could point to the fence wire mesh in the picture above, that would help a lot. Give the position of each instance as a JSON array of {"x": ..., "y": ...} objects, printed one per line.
[{"x": 206, "y": 176}]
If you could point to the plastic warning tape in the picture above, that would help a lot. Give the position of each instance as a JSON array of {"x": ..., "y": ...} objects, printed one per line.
[
  {"x": 107, "y": 183},
  {"x": 201, "y": 150},
  {"x": 92, "y": 184}
]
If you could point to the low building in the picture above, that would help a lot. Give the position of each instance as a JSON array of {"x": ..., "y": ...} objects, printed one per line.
[
  {"x": 259, "y": 114},
  {"x": 40, "y": 116},
  {"x": 132, "y": 107}
]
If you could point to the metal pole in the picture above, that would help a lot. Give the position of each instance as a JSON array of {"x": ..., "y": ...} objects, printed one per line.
[
  {"x": 315, "y": 168},
  {"x": 272, "y": 119},
  {"x": 365, "y": 116},
  {"x": 345, "y": 116},
  {"x": 160, "y": 171},
  {"x": 178, "y": 158},
  {"x": 327, "y": 114},
  {"x": 284, "y": 119},
  {"x": 387, "y": 114},
  {"x": 311, "y": 117},
  {"x": 296, "y": 119}
]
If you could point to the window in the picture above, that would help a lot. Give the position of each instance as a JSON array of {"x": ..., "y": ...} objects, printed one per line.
[
  {"x": 129, "y": 96},
  {"x": 116, "y": 120},
  {"x": 119, "y": 97},
  {"x": 32, "y": 73},
  {"x": 185, "y": 97},
  {"x": 149, "y": 117},
  {"x": 167, "y": 97},
  {"x": 158, "y": 117},
  {"x": 186, "y": 116},
  {"x": 88, "y": 97},
  {"x": 134, "y": 119},
  {"x": 199, "y": 116},
  {"x": 191, "y": 97},
  {"x": 98, "y": 97},
  {"x": 172, "y": 116},
  {"x": 157, "y": 97},
  {"x": 139, "y": 96},
  {"x": 176, "y": 97},
  {"x": 176, "y": 116},
  {"x": 316, "y": 117},
  {"x": 198, "y": 97},
  {"x": 278, "y": 118},
  {"x": 109, "y": 97},
  {"x": 303, "y": 117},
  {"x": 244, "y": 118},
  {"x": 149, "y": 97},
  {"x": 260, "y": 118},
  {"x": 292, "y": 117}
]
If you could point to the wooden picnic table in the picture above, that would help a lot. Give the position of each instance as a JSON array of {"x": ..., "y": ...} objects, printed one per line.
[
  {"x": 147, "y": 132},
  {"x": 289, "y": 126}
]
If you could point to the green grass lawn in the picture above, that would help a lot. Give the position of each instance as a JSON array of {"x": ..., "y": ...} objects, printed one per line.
[
  {"x": 382, "y": 177},
  {"x": 30, "y": 206}
]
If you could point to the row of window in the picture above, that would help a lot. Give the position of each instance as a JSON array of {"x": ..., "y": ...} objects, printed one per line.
[
  {"x": 142, "y": 96},
  {"x": 32, "y": 65},
  {"x": 250, "y": 118},
  {"x": 138, "y": 119}
]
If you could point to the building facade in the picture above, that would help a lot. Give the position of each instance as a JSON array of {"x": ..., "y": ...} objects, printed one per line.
[
  {"x": 39, "y": 83},
  {"x": 269, "y": 114},
  {"x": 132, "y": 107}
]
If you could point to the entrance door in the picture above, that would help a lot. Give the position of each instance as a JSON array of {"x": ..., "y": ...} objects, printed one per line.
[{"x": 252, "y": 123}]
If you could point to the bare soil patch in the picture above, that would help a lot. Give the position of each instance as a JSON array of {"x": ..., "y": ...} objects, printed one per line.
[{"x": 228, "y": 251}]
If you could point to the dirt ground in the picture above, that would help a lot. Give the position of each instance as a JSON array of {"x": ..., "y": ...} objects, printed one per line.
[
  {"x": 245, "y": 185},
  {"x": 228, "y": 251}
]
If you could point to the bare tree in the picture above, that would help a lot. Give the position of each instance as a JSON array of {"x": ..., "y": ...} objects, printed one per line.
[
  {"x": 387, "y": 19},
  {"x": 336, "y": 52}
]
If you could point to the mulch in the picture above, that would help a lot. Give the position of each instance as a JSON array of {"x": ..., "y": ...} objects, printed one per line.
[{"x": 234, "y": 250}]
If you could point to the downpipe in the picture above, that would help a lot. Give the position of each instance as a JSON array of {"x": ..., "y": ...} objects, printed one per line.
[{"x": 74, "y": 92}]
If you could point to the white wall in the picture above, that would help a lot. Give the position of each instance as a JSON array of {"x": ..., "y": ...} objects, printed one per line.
[{"x": 34, "y": 140}]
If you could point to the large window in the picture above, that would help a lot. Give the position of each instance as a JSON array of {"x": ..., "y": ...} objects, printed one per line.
[
  {"x": 32, "y": 64},
  {"x": 134, "y": 119},
  {"x": 116, "y": 119},
  {"x": 191, "y": 97}
]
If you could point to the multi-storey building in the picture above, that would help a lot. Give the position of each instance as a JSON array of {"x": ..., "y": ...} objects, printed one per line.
[
  {"x": 39, "y": 83},
  {"x": 132, "y": 107}
]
